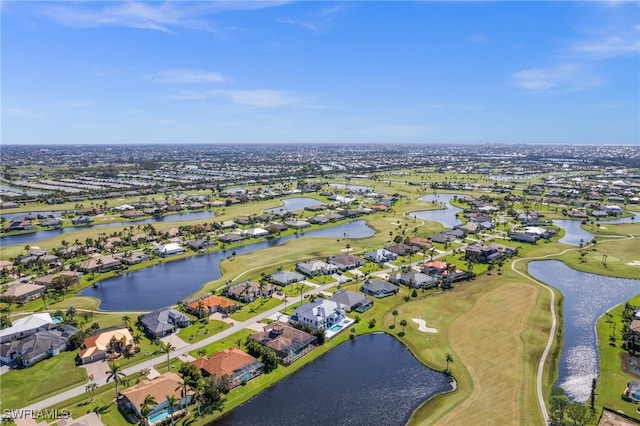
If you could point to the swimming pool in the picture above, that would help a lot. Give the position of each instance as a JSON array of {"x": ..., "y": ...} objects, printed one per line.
[
  {"x": 335, "y": 328},
  {"x": 57, "y": 320},
  {"x": 160, "y": 415}
]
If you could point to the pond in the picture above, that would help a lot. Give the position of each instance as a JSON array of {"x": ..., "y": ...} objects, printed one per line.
[
  {"x": 574, "y": 234},
  {"x": 33, "y": 237},
  {"x": 164, "y": 284},
  {"x": 372, "y": 380},
  {"x": 352, "y": 187},
  {"x": 295, "y": 204},
  {"x": 586, "y": 298},
  {"x": 447, "y": 217}
]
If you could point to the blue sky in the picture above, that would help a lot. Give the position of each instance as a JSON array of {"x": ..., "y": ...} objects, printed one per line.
[{"x": 88, "y": 72}]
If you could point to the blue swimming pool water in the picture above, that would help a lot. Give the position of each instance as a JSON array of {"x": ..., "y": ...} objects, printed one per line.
[
  {"x": 57, "y": 320},
  {"x": 335, "y": 328},
  {"x": 160, "y": 415}
]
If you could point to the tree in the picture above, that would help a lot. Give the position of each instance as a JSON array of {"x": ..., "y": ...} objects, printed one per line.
[
  {"x": 167, "y": 348},
  {"x": 184, "y": 389},
  {"x": 90, "y": 388},
  {"x": 577, "y": 413},
  {"x": 199, "y": 392},
  {"x": 449, "y": 360},
  {"x": 126, "y": 321},
  {"x": 403, "y": 323},
  {"x": 145, "y": 408},
  {"x": 116, "y": 374},
  {"x": 172, "y": 403},
  {"x": 395, "y": 314}
]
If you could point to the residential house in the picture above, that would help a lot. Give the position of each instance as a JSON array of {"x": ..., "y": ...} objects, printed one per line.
[
  {"x": 47, "y": 280},
  {"x": 210, "y": 304},
  {"x": 90, "y": 419},
  {"x": 256, "y": 232},
  {"x": 99, "y": 263},
  {"x": 524, "y": 237},
  {"x": 633, "y": 340},
  {"x": 420, "y": 242},
  {"x": 481, "y": 253},
  {"x": 312, "y": 268},
  {"x": 402, "y": 249},
  {"x": 230, "y": 238},
  {"x": 167, "y": 384},
  {"x": 168, "y": 249},
  {"x": 613, "y": 210},
  {"x": 26, "y": 326},
  {"x": 54, "y": 222},
  {"x": 345, "y": 261},
  {"x": 297, "y": 224},
  {"x": 288, "y": 342},
  {"x": 284, "y": 278},
  {"x": 22, "y": 293},
  {"x": 381, "y": 256},
  {"x": 98, "y": 346},
  {"x": 248, "y": 291},
  {"x": 319, "y": 314},
  {"x": 33, "y": 349},
  {"x": 442, "y": 238},
  {"x": 352, "y": 301},
  {"x": 632, "y": 391},
  {"x": 379, "y": 288},
  {"x": 414, "y": 279},
  {"x": 162, "y": 322},
  {"x": 238, "y": 365},
  {"x": 81, "y": 220},
  {"x": 131, "y": 257}
]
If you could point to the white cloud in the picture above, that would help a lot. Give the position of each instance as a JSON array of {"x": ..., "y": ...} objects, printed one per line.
[
  {"x": 302, "y": 24},
  {"x": 19, "y": 112},
  {"x": 183, "y": 76},
  {"x": 156, "y": 15},
  {"x": 257, "y": 98},
  {"x": 562, "y": 78},
  {"x": 477, "y": 38},
  {"x": 610, "y": 47}
]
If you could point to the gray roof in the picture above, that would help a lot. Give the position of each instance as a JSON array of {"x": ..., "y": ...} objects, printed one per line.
[
  {"x": 377, "y": 286},
  {"x": 349, "y": 298},
  {"x": 34, "y": 345},
  {"x": 162, "y": 320},
  {"x": 286, "y": 276}
]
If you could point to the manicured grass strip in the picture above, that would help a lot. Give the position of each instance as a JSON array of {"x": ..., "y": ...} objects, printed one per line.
[{"x": 198, "y": 331}]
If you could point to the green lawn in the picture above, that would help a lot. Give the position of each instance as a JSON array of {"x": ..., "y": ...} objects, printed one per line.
[
  {"x": 198, "y": 331},
  {"x": 321, "y": 279},
  {"x": 254, "y": 308},
  {"x": 24, "y": 386},
  {"x": 612, "y": 378},
  {"x": 227, "y": 342}
]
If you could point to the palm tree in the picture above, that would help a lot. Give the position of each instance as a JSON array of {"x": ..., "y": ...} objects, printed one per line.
[
  {"x": 145, "y": 408},
  {"x": 403, "y": 323},
  {"x": 395, "y": 314},
  {"x": 90, "y": 388},
  {"x": 199, "y": 391},
  {"x": 116, "y": 374},
  {"x": 167, "y": 348},
  {"x": 126, "y": 321},
  {"x": 172, "y": 403},
  {"x": 449, "y": 359},
  {"x": 184, "y": 388}
]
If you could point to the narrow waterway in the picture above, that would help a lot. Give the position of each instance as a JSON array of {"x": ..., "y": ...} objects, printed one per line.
[
  {"x": 586, "y": 298},
  {"x": 447, "y": 216}
]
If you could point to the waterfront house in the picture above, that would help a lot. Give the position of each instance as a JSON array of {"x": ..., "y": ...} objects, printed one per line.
[
  {"x": 167, "y": 384},
  {"x": 238, "y": 365},
  {"x": 162, "y": 322},
  {"x": 209, "y": 305},
  {"x": 34, "y": 348},
  {"x": 402, "y": 249},
  {"x": 284, "y": 278},
  {"x": 248, "y": 291},
  {"x": 99, "y": 263},
  {"x": 632, "y": 391},
  {"x": 168, "y": 249},
  {"x": 352, "y": 301},
  {"x": 22, "y": 293},
  {"x": 319, "y": 314},
  {"x": 379, "y": 288},
  {"x": 288, "y": 342},
  {"x": 47, "y": 280}
]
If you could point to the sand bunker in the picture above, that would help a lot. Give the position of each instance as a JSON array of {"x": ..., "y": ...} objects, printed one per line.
[
  {"x": 634, "y": 263},
  {"x": 422, "y": 326}
]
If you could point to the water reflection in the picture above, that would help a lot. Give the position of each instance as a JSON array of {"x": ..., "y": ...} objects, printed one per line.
[
  {"x": 586, "y": 298},
  {"x": 447, "y": 217},
  {"x": 374, "y": 380}
]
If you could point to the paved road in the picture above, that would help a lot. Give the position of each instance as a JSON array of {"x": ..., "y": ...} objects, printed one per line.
[{"x": 63, "y": 396}]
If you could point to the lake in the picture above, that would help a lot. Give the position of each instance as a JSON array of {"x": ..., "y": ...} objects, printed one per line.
[
  {"x": 33, "y": 237},
  {"x": 447, "y": 217},
  {"x": 574, "y": 234},
  {"x": 164, "y": 284},
  {"x": 586, "y": 298},
  {"x": 352, "y": 187},
  {"x": 295, "y": 204},
  {"x": 372, "y": 380}
]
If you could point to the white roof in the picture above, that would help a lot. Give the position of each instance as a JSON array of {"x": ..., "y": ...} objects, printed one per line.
[
  {"x": 31, "y": 322},
  {"x": 163, "y": 248},
  {"x": 534, "y": 230}
]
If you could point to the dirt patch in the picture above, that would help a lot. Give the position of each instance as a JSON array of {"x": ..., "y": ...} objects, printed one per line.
[{"x": 630, "y": 364}]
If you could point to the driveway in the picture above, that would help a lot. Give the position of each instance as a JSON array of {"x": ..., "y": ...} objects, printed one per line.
[
  {"x": 97, "y": 369},
  {"x": 177, "y": 342}
]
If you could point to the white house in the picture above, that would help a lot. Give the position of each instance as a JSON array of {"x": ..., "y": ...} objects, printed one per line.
[
  {"x": 613, "y": 210},
  {"x": 26, "y": 326},
  {"x": 256, "y": 232},
  {"x": 168, "y": 249},
  {"x": 316, "y": 267},
  {"x": 381, "y": 256},
  {"x": 320, "y": 314}
]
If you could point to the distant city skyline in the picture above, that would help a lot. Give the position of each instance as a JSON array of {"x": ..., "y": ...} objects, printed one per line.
[{"x": 320, "y": 72}]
